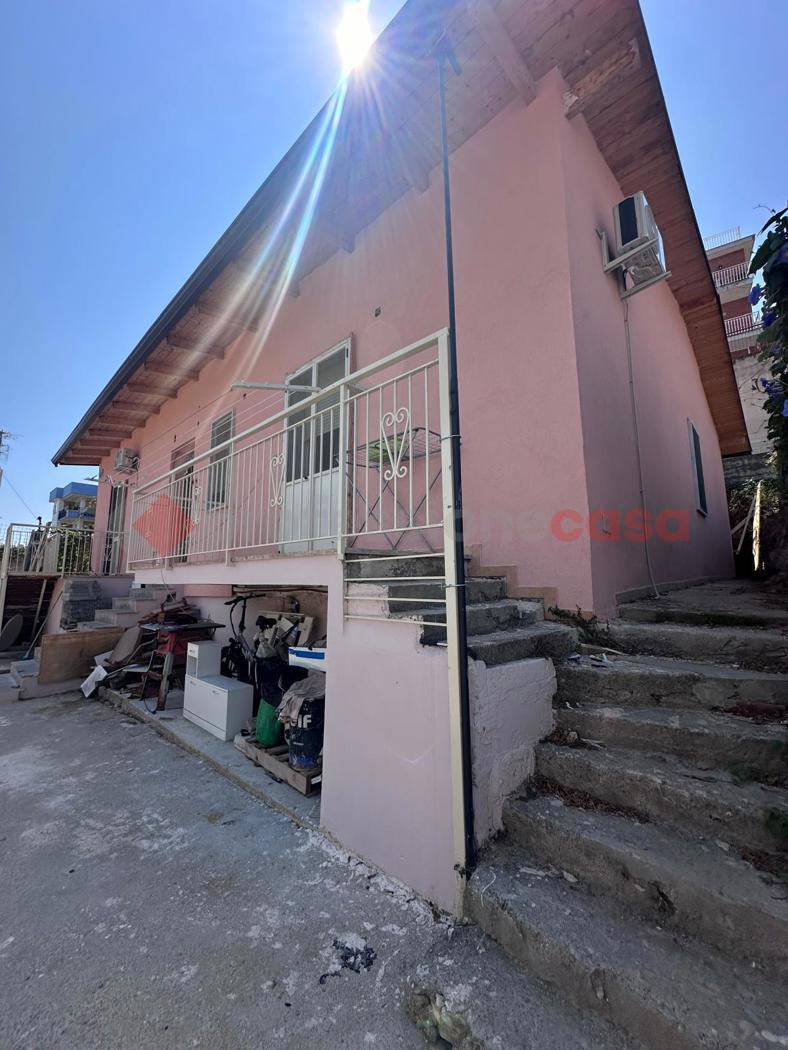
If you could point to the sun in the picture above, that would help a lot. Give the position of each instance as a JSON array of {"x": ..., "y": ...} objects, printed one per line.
[{"x": 354, "y": 35}]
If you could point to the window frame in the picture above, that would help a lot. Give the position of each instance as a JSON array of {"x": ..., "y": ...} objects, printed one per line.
[
  {"x": 215, "y": 459},
  {"x": 698, "y": 476}
]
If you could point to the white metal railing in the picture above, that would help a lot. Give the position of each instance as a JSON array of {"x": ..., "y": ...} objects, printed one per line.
[
  {"x": 731, "y": 274},
  {"x": 358, "y": 464},
  {"x": 746, "y": 324},
  {"x": 49, "y": 550},
  {"x": 717, "y": 240}
]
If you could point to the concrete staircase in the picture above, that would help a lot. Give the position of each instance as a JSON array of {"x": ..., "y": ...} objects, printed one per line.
[
  {"x": 500, "y": 629},
  {"x": 643, "y": 870},
  {"x": 126, "y": 612}
]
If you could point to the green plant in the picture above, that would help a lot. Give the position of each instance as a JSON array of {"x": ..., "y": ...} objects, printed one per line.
[{"x": 772, "y": 258}]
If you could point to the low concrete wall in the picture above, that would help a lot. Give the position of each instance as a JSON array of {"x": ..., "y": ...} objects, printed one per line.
[{"x": 511, "y": 711}]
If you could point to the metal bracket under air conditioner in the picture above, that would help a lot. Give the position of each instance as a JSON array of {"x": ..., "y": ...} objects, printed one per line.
[{"x": 619, "y": 264}]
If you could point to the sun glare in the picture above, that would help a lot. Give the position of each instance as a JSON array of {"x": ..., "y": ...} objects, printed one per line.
[{"x": 354, "y": 35}]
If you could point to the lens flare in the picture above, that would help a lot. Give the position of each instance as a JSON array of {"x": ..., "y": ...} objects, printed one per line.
[{"x": 354, "y": 35}]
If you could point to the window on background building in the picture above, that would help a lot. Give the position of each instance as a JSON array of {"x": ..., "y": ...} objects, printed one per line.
[
  {"x": 219, "y": 462},
  {"x": 697, "y": 469}
]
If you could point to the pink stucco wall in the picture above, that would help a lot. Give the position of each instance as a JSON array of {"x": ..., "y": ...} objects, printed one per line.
[{"x": 668, "y": 392}]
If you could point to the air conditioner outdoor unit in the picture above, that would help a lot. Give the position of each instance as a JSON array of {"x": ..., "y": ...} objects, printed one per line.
[
  {"x": 126, "y": 461},
  {"x": 638, "y": 245}
]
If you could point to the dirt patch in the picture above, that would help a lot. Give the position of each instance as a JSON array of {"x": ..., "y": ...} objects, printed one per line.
[
  {"x": 579, "y": 799},
  {"x": 760, "y": 713}
]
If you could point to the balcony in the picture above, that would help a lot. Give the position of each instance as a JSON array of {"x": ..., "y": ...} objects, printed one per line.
[
  {"x": 46, "y": 550},
  {"x": 359, "y": 464},
  {"x": 718, "y": 240},
  {"x": 730, "y": 275}
]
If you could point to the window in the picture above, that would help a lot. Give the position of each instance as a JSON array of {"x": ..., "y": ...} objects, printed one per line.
[
  {"x": 697, "y": 469},
  {"x": 219, "y": 462}
]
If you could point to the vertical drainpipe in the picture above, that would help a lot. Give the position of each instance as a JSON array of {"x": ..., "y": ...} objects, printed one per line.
[{"x": 454, "y": 537}]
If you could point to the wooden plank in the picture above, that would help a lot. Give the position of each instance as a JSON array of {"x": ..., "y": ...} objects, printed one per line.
[
  {"x": 496, "y": 37},
  {"x": 274, "y": 760},
  {"x": 615, "y": 68},
  {"x": 70, "y": 655}
]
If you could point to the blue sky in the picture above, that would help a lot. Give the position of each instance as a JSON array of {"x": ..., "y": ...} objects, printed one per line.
[{"x": 134, "y": 132}]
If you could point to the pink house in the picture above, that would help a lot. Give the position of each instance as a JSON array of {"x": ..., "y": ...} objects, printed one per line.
[{"x": 286, "y": 417}]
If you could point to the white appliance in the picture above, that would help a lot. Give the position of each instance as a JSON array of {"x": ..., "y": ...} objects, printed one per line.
[
  {"x": 203, "y": 659},
  {"x": 639, "y": 258},
  {"x": 220, "y": 705},
  {"x": 126, "y": 461}
]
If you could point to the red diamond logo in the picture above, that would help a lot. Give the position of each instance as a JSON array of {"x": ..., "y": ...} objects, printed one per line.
[{"x": 165, "y": 526}]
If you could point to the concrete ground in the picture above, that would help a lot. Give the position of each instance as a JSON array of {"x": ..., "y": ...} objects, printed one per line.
[{"x": 149, "y": 903}]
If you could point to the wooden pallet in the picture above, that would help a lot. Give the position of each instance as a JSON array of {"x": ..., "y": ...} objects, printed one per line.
[{"x": 274, "y": 761}]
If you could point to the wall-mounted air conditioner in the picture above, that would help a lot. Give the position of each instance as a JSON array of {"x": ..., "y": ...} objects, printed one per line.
[
  {"x": 638, "y": 246},
  {"x": 126, "y": 461}
]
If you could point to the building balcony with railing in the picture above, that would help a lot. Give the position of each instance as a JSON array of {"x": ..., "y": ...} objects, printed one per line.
[{"x": 729, "y": 276}]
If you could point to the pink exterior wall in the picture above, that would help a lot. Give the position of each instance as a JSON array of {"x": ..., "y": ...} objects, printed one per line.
[{"x": 668, "y": 391}]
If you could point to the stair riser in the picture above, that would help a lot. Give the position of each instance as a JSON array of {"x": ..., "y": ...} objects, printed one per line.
[
  {"x": 555, "y": 644},
  {"x": 135, "y": 605},
  {"x": 757, "y": 759},
  {"x": 611, "y": 687},
  {"x": 111, "y": 618},
  {"x": 482, "y": 620},
  {"x": 757, "y": 650},
  {"x": 639, "y": 882},
  {"x": 615, "y": 996},
  {"x": 479, "y": 590},
  {"x": 391, "y": 569},
  {"x": 702, "y": 619},
  {"x": 673, "y": 805}
]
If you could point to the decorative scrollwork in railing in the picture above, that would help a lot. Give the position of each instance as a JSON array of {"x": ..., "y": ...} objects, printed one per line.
[
  {"x": 396, "y": 443},
  {"x": 277, "y": 479}
]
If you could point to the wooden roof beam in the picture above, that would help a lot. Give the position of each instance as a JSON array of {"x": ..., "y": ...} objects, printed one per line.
[
  {"x": 172, "y": 372},
  {"x": 135, "y": 407},
  {"x": 497, "y": 39},
  {"x": 182, "y": 344},
  {"x": 144, "y": 390},
  {"x": 218, "y": 312}
]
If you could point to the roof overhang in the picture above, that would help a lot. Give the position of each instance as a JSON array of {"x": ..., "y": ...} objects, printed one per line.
[{"x": 387, "y": 144}]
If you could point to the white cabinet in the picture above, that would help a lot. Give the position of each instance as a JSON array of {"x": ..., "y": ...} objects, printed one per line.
[{"x": 221, "y": 705}]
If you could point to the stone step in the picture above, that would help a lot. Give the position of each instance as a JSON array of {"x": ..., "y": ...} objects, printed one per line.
[
  {"x": 365, "y": 567},
  {"x": 140, "y": 606},
  {"x": 403, "y": 596},
  {"x": 669, "y": 992},
  {"x": 666, "y": 611},
  {"x": 482, "y": 618},
  {"x": 521, "y": 643},
  {"x": 9, "y": 688},
  {"x": 648, "y": 681},
  {"x": 745, "y": 748},
  {"x": 465, "y": 996},
  {"x": 708, "y": 803},
  {"x": 111, "y": 617},
  {"x": 694, "y": 887},
  {"x": 758, "y": 650}
]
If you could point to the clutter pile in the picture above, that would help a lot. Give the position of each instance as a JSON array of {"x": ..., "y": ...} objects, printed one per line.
[{"x": 149, "y": 659}]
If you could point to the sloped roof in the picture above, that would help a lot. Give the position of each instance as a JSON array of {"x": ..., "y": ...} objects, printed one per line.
[{"x": 387, "y": 144}]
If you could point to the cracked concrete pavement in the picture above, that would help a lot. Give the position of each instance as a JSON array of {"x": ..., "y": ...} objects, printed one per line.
[{"x": 149, "y": 903}]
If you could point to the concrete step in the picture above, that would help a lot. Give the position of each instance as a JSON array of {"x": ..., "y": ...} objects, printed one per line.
[
  {"x": 665, "y": 610},
  {"x": 758, "y": 650},
  {"x": 404, "y": 596},
  {"x": 483, "y": 618},
  {"x": 93, "y": 625},
  {"x": 748, "y": 750},
  {"x": 140, "y": 606},
  {"x": 669, "y": 992},
  {"x": 111, "y": 617},
  {"x": 693, "y": 887},
  {"x": 365, "y": 567},
  {"x": 158, "y": 594},
  {"x": 450, "y": 1012},
  {"x": 647, "y": 681},
  {"x": 708, "y": 803},
  {"x": 9, "y": 688},
  {"x": 541, "y": 639}
]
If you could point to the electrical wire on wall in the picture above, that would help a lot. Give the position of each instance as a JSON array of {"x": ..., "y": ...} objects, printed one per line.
[{"x": 641, "y": 484}]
